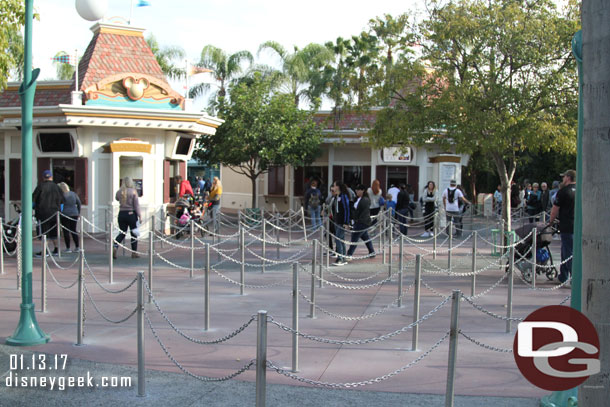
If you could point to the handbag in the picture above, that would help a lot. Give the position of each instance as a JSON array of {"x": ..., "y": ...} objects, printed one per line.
[{"x": 136, "y": 232}]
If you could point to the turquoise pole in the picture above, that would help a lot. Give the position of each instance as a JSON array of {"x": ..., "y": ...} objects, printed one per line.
[
  {"x": 27, "y": 333},
  {"x": 569, "y": 398}
]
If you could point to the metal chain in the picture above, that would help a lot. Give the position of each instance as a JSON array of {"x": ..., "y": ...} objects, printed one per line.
[
  {"x": 104, "y": 288},
  {"x": 488, "y": 347},
  {"x": 491, "y": 314},
  {"x": 431, "y": 289},
  {"x": 555, "y": 287},
  {"x": 362, "y": 317},
  {"x": 189, "y": 338},
  {"x": 349, "y": 287},
  {"x": 185, "y": 370},
  {"x": 488, "y": 290},
  {"x": 361, "y": 341},
  {"x": 120, "y": 321},
  {"x": 230, "y": 280},
  {"x": 293, "y": 376},
  {"x": 565, "y": 300},
  {"x": 57, "y": 282},
  {"x": 60, "y": 267}
]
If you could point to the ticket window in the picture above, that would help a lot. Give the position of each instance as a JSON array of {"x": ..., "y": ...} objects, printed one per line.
[{"x": 133, "y": 168}]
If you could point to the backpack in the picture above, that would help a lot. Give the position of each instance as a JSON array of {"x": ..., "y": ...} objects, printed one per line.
[
  {"x": 451, "y": 194},
  {"x": 314, "y": 201}
]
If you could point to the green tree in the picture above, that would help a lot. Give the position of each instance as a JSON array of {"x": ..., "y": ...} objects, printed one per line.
[
  {"x": 226, "y": 70},
  {"x": 301, "y": 72},
  {"x": 11, "y": 43},
  {"x": 64, "y": 71},
  {"x": 261, "y": 130},
  {"x": 166, "y": 58},
  {"x": 502, "y": 82},
  {"x": 362, "y": 58}
]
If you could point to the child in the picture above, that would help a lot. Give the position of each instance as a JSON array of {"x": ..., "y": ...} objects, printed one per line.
[{"x": 390, "y": 204}]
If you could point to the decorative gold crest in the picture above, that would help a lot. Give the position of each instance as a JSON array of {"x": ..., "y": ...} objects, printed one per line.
[{"x": 135, "y": 87}]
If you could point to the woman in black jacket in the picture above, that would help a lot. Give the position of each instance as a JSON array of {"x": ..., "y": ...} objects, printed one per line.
[
  {"x": 340, "y": 211},
  {"x": 362, "y": 220}
]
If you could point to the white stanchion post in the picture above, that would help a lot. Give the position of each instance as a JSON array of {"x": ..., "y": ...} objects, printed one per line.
[
  {"x": 206, "y": 290},
  {"x": 110, "y": 255},
  {"x": 80, "y": 301},
  {"x": 416, "y": 300},
  {"x": 58, "y": 225},
  {"x": 474, "y": 263},
  {"x": 242, "y": 256},
  {"x": 321, "y": 262},
  {"x": 509, "y": 300},
  {"x": 192, "y": 230},
  {"x": 533, "y": 263},
  {"x": 390, "y": 246},
  {"x": 327, "y": 233},
  {"x": 43, "y": 277},
  {"x": 261, "y": 358},
  {"x": 290, "y": 228},
  {"x": 383, "y": 236},
  {"x": 450, "y": 249},
  {"x": 314, "y": 258},
  {"x": 401, "y": 264},
  {"x": 151, "y": 254},
  {"x": 453, "y": 347},
  {"x": 277, "y": 233},
  {"x": 19, "y": 259},
  {"x": 295, "y": 317},
  {"x": 435, "y": 235},
  {"x": 264, "y": 237},
  {"x": 140, "y": 336},
  {"x": 304, "y": 223}
]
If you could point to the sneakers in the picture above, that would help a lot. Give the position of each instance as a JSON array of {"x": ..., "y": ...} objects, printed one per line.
[
  {"x": 339, "y": 263},
  {"x": 68, "y": 251},
  {"x": 55, "y": 252},
  {"x": 372, "y": 255},
  {"x": 426, "y": 234}
]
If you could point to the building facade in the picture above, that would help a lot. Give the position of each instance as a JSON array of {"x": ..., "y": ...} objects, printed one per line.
[
  {"x": 346, "y": 155},
  {"x": 123, "y": 120}
]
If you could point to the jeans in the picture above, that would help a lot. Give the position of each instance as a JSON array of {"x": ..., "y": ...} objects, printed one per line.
[
  {"x": 456, "y": 217},
  {"x": 565, "y": 270},
  {"x": 314, "y": 213},
  {"x": 127, "y": 219},
  {"x": 360, "y": 232},
  {"x": 401, "y": 216},
  {"x": 339, "y": 237}
]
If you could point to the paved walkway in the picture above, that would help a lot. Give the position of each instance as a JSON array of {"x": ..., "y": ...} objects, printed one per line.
[{"x": 481, "y": 373}]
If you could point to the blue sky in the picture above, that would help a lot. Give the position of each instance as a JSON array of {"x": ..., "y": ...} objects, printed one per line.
[{"x": 232, "y": 25}]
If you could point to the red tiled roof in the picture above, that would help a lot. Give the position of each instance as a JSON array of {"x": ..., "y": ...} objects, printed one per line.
[
  {"x": 43, "y": 97},
  {"x": 111, "y": 52}
]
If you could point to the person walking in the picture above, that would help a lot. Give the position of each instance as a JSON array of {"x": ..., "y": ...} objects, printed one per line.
[
  {"x": 47, "y": 199},
  {"x": 533, "y": 203},
  {"x": 129, "y": 215},
  {"x": 71, "y": 212},
  {"x": 402, "y": 209},
  {"x": 341, "y": 215},
  {"x": 375, "y": 195},
  {"x": 563, "y": 210},
  {"x": 313, "y": 199},
  {"x": 451, "y": 197},
  {"x": 214, "y": 199},
  {"x": 362, "y": 221},
  {"x": 429, "y": 206},
  {"x": 498, "y": 200},
  {"x": 184, "y": 187}
]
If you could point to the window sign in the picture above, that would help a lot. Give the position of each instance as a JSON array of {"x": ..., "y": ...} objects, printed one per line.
[{"x": 397, "y": 154}]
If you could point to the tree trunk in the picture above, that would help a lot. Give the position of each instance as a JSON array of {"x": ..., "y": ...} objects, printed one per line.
[
  {"x": 253, "y": 178},
  {"x": 596, "y": 185}
]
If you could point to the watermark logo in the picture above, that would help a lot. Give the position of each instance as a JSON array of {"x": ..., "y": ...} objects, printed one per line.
[{"x": 556, "y": 348}]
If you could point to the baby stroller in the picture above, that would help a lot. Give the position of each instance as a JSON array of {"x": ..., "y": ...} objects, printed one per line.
[
  {"x": 544, "y": 258},
  {"x": 183, "y": 214},
  {"x": 9, "y": 234}
]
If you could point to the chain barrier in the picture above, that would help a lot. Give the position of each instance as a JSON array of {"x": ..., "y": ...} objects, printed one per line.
[
  {"x": 230, "y": 280},
  {"x": 293, "y": 376},
  {"x": 60, "y": 267},
  {"x": 185, "y": 370},
  {"x": 348, "y": 287},
  {"x": 440, "y": 270},
  {"x": 485, "y": 346},
  {"x": 57, "y": 282},
  {"x": 362, "y": 317},
  {"x": 127, "y": 287},
  {"x": 491, "y": 314},
  {"x": 490, "y": 288},
  {"x": 555, "y": 287},
  {"x": 359, "y": 280},
  {"x": 499, "y": 246},
  {"x": 565, "y": 300},
  {"x": 548, "y": 266},
  {"x": 294, "y": 257},
  {"x": 361, "y": 341},
  {"x": 120, "y": 321}
]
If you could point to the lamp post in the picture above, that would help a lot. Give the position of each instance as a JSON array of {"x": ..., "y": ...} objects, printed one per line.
[
  {"x": 570, "y": 397},
  {"x": 28, "y": 332}
]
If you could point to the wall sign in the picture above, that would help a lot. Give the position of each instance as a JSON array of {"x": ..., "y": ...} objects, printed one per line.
[{"x": 397, "y": 155}]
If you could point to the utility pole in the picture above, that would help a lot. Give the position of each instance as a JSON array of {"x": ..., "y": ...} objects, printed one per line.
[{"x": 595, "y": 180}]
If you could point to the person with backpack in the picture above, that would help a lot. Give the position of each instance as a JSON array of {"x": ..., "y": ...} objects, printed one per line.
[
  {"x": 313, "y": 200},
  {"x": 451, "y": 198}
]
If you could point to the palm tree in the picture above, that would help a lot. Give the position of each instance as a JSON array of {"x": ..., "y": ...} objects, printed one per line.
[
  {"x": 226, "y": 69},
  {"x": 166, "y": 56},
  {"x": 64, "y": 70},
  {"x": 302, "y": 70},
  {"x": 15, "y": 53},
  {"x": 336, "y": 75},
  {"x": 361, "y": 58}
]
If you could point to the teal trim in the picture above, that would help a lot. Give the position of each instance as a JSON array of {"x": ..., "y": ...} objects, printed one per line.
[{"x": 122, "y": 101}]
